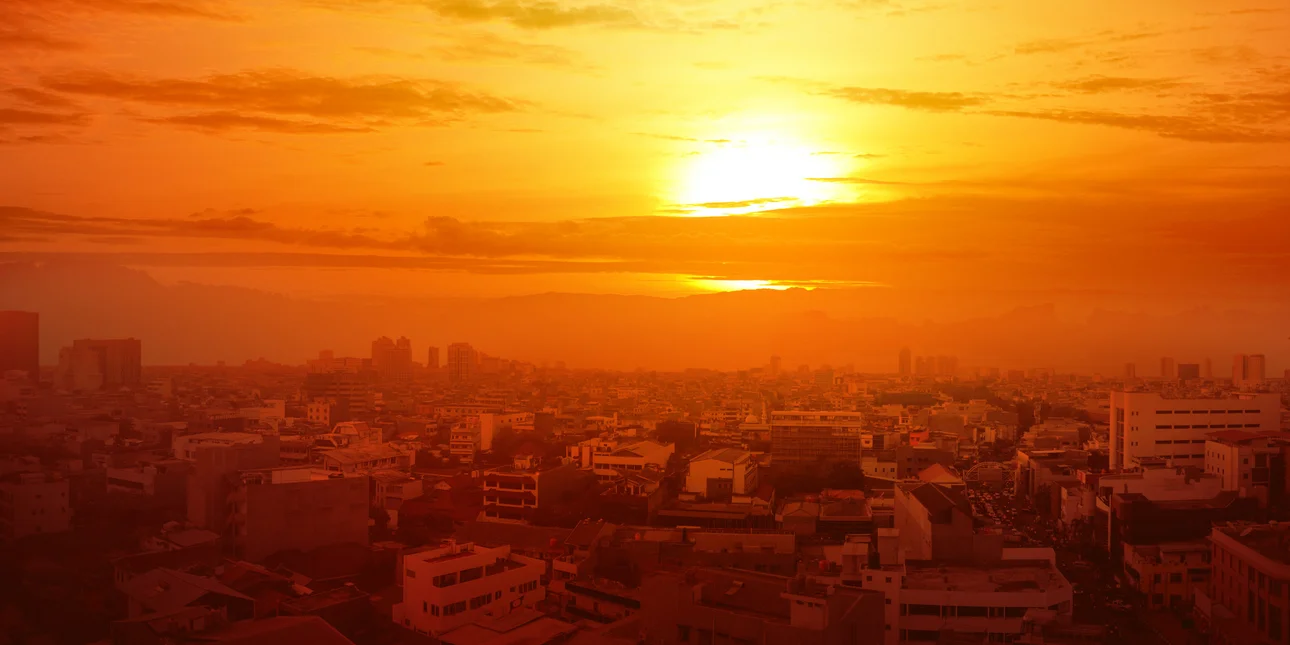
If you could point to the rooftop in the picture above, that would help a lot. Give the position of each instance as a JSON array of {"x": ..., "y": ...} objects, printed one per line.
[
  {"x": 1271, "y": 541},
  {"x": 728, "y": 455},
  {"x": 996, "y": 577}
]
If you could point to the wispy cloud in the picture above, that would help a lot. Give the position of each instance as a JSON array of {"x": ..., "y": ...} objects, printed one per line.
[{"x": 914, "y": 100}]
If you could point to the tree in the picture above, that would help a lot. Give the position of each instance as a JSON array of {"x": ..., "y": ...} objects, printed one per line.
[{"x": 845, "y": 475}]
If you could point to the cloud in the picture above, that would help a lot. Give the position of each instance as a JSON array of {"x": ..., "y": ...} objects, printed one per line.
[
  {"x": 484, "y": 47},
  {"x": 914, "y": 100},
  {"x": 15, "y": 116},
  {"x": 157, "y": 8},
  {"x": 745, "y": 202},
  {"x": 1187, "y": 128},
  {"x": 32, "y": 96},
  {"x": 37, "y": 24},
  {"x": 859, "y": 181},
  {"x": 225, "y": 121},
  {"x": 1102, "y": 84},
  {"x": 434, "y": 163},
  {"x": 1058, "y": 45},
  {"x": 536, "y": 14},
  {"x": 274, "y": 100}
]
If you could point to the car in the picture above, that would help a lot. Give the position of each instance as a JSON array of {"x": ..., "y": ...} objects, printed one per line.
[{"x": 1120, "y": 605}]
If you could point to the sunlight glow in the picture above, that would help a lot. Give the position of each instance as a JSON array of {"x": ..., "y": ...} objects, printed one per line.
[
  {"x": 709, "y": 284},
  {"x": 752, "y": 173}
]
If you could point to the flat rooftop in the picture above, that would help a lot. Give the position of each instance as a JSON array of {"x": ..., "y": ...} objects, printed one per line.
[
  {"x": 1268, "y": 540},
  {"x": 1007, "y": 576}
]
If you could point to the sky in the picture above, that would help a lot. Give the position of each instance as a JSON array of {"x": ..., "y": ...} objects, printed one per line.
[{"x": 1013, "y": 151}]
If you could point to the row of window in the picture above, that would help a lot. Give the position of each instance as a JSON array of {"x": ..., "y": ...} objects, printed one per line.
[
  {"x": 1216, "y": 426},
  {"x": 966, "y": 611},
  {"x": 1207, "y": 412},
  {"x": 1178, "y": 441}
]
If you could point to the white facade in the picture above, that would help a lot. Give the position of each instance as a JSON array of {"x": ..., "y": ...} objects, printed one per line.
[
  {"x": 1147, "y": 425},
  {"x": 458, "y": 584},
  {"x": 928, "y": 598},
  {"x": 34, "y": 504},
  {"x": 737, "y": 466},
  {"x": 635, "y": 457}
]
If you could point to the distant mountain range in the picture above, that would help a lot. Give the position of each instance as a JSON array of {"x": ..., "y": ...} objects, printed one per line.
[{"x": 866, "y": 327}]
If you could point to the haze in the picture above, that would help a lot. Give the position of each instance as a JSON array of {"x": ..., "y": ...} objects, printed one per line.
[{"x": 1020, "y": 184}]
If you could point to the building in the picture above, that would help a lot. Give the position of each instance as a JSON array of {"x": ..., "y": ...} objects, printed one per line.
[
  {"x": 33, "y": 504},
  {"x": 350, "y": 393},
  {"x": 1251, "y": 463},
  {"x": 514, "y": 493},
  {"x": 458, "y": 584},
  {"x": 366, "y": 459},
  {"x": 432, "y": 358},
  {"x": 1146, "y": 425},
  {"x": 635, "y": 457},
  {"x": 1251, "y": 577},
  {"x": 1168, "y": 370},
  {"x": 463, "y": 362},
  {"x": 319, "y": 412},
  {"x": 705, "y": 605},
  {"x": 391, "y": 359},
  {"x": 20, "y": 343},
  {"x": 1130, "y": 371},
  {"x": 217, "y": 457},
  {"x": 989, "y": 601},
  {"x": 906, "y": 366},
  {"x": 165, "y": 481},
  {"x": 282, "y": 509},
  {"x": 1249, "y": 370},
  {"x": 1188, "y": 371},
  {"x": 722, "y": 472},
  {"x": 810, "y": 437},
  {"x": 98, "y": 364},
  {"x": 937, "y": 522},
  {"x": 1168, "y": 574}
]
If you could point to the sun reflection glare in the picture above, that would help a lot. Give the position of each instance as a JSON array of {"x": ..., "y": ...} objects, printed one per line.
[{"x": 710, "y": 284}]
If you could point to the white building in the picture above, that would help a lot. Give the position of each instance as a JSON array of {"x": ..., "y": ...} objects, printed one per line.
[
  {"x": 33, "y": 504},
  {"x": 458, "y": 584},
  {"x": 722, "y": 472},
  {"x": 366, "y": 459},
  {"x": 928, "y": 598},
  {"x": 186, "y": 446},
  {"x": 319, "y": 412},
  {"x": 633, "y": 457},
  {"x": 1147, "y": 425}
]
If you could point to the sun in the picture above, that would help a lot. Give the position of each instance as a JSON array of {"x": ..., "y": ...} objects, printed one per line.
[{"x": 745, "y": 174}]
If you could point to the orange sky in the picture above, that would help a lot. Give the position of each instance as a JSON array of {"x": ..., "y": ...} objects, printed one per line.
[{"x": 503, "y": 147}]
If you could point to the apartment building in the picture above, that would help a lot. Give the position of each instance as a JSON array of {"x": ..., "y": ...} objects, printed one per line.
[
  {"x": 808, "y": 437},
  {"x": 460, "y": 583},
  {"x": 1148, "y": 425},
  {"x": 33, "y": 504},
  {"x": 514, "y": 493},
  {"x": 1250, "y": 463},
  {"x": 366, "y": 459},
  {"x": 1169, "y": 574},
  {"x": 1251, "y": 578}
]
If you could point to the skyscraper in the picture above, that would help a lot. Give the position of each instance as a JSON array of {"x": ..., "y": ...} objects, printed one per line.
[
  {"x": 93, "y": 364},
  {"x": 906, "y": 362},
  {"x": 462, "y": 361},
  {"x": 1249, "y": 370},
  {"x": 1130, "y": 370},
  {"x": 776, "y": 364},
  {"x": 20, "y": 342},
  {"x": 432, "y": 359},
  {"x": 1167, "y": 369},
  {"x": 1209, "y": 368},
  {"x": 1188, "y": 371},
  {"x": 392, "y": 360}
]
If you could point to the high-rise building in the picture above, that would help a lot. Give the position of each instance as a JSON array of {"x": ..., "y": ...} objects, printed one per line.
[
  {"x": 801, "y": 437},
  {"x": 906, "y": 362},
  {"x": 1146, "y": 425},
  {"x": 20, "y": 343},
  {"x": 1167, "y": 368},
  {"x": 1130, "y": 370},
  {"x": 432, "y": 358},
  {"x": 1209, "y": 368},
  {"x": 776, "y": 365},
  {"x": 1249, "y": 370},
  {"x": 392, "y": 360},
  {"x": 350, "y": 392},
  {"x": 463, "y": 361},
  {"x": 96, "y": 364},
  {"x": 1188, "y": 371}
]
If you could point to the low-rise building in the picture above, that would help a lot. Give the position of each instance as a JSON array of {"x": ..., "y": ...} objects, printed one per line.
[
  {"x": 1168, "y": 574},
  {"x": 722, "y": 472},
  {"x": 1251, "y": 579},
  {"x": 514, "y": 493},
  {"x": 366, "y": 459},
  {"x": 454, "y": 585}
]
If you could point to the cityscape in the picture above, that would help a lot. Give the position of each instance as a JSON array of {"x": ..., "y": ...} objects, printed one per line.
[
  {"x": 440, "y": 494},
  {"x": 644, "y": 322}
]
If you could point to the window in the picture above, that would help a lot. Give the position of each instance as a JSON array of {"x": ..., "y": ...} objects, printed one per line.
[
  {"x": 425, "y": 607},
  {"x": 886, "y": 601},
  {"x": 1175, "y": 577},
  {"x": 410, "y": 573},
  {"x": 924, "y": 610},
  {"x": 1156, "y": 578},
  {"x": 1157, "y": 599},
  {"x": 976, "y": 612}
]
